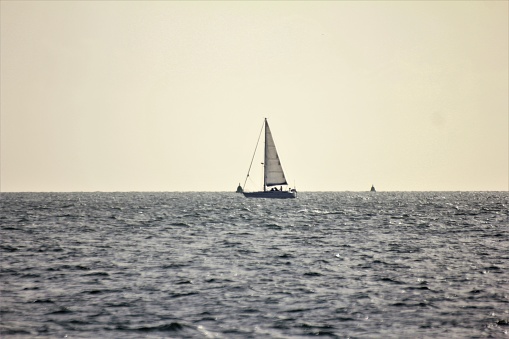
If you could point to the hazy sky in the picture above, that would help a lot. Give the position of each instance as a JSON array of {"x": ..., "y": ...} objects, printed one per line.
[{"x": 171, "y": 96}]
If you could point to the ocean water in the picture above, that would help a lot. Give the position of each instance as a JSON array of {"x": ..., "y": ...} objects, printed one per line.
[{"x": 218, "y": 265}]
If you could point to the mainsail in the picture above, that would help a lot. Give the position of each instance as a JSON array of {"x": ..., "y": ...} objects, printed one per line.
[{"x": 273, "y": 171}]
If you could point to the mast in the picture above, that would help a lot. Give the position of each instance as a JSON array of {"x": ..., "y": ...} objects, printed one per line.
[{"x": 265, "y": 159}]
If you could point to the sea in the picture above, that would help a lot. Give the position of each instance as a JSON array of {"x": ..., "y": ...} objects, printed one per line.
[{"x": 219, "y": 265}]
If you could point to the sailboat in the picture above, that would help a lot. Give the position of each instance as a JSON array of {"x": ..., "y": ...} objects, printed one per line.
[
  {"x": 273, "y": 175},
  {"x": 239, "y": 189}
]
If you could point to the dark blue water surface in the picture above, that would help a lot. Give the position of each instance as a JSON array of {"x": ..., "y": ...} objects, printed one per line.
[{"x": 218, "y": 265}]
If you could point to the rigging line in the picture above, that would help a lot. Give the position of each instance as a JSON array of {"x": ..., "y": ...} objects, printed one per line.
[{"x": 247, "y": 176}]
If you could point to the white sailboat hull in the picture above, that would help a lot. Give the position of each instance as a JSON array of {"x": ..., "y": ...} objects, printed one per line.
[{"x": 272, "y": 194}]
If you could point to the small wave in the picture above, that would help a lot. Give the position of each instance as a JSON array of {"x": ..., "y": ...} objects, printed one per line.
[
  {"x": 343, "y": 318},
  {"x": 502, "y": 322},
  {"x": 171, "y": 266},
  {"x": 184, "y": 282},
  {"x": 75, "y": 267},
  {"x": 494, "y": 269},
  {"x": 9, "y": 228},
  {"x": 298, "y": 310},
  {"x": 180, "y": 295},
  {"x": 97, "y": 274},
  {"x": 31, "y": 288},
  {"x": 399, "y": 304},
  {"x": 8, "y": 248},
  {"x": 391, "y": 281},
  {"x": 418, "y": 288},
  {"x": 312, "y": 274},
  {"x": 43, "y": 301},
  {"x": 181, "y": 224},
  {"x": 171, "y": 327},
  {"x": 273, "y": 227},
  {"x": 120, "y": 304},
  {"x": 49, "y": 249},
  {"x": 61, "y": 310},
  {"x": 94, "y": 292},
  {"x": 326, "y": 330},
  {"x": 14, "y": 331},
  {"x": 228, "y": 243}
]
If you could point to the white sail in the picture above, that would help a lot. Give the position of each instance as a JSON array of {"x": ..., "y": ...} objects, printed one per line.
[{"x": 274, "y": 174}]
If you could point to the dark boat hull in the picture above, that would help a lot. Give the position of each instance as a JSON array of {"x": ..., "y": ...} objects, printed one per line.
[{"x": 272, "y": 194}]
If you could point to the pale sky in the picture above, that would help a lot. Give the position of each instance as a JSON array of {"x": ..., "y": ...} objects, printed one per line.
[{"x": 171, "y": 96}]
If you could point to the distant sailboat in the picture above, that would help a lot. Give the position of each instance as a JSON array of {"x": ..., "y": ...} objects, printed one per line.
[
  {"x": 273, "y": 174},
  {"x": 373, "y": 188},
  {"x": 239, "y": 189}
]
